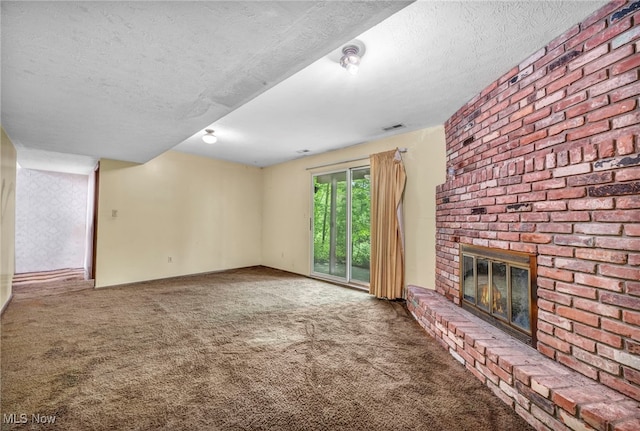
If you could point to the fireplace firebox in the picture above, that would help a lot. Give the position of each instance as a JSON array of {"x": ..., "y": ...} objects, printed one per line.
[{"x": 499, "y": 286}]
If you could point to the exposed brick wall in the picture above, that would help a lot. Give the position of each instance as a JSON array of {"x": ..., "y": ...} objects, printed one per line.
[{"x": 546, "y": 160}]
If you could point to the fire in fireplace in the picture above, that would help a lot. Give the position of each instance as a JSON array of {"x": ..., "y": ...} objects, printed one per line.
[{"x": 499, "y": 286}]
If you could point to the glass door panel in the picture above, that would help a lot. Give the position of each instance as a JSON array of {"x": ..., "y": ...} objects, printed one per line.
[
  {"x": 330, "y": 224},
  {"x": 360, "y": 225}
]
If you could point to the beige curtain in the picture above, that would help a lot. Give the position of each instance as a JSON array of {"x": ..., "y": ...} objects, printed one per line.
[{"x": 387, "y": 242}]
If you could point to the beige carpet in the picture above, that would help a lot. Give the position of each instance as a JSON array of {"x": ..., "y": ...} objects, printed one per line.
[{"x": 250, "y": 349}]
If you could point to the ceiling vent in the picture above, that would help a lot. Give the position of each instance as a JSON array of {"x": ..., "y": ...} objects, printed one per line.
[{"x": 394, "y": 127}]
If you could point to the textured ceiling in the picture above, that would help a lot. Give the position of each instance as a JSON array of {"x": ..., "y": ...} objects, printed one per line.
[
  {"x": 129, "y": 80},
  {"x": 421, "y": 65}
]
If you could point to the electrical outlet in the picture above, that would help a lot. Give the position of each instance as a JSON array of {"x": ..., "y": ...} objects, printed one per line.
[{"x": 170, "y": 259}]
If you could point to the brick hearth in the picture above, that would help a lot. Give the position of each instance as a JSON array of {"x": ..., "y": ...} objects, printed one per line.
[{"x": 546, "y": 394}]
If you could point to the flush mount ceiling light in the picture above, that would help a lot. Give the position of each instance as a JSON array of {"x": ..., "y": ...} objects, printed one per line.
[
  {"x": 209, "y": 137},
  {"x": 351, "y": 56}
]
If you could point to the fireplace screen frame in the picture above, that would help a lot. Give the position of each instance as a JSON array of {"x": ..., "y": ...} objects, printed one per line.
[{"x": 510, "y": 259}]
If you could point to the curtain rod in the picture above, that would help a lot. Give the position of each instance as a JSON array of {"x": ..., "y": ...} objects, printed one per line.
[{"x": 402, "y": 150}]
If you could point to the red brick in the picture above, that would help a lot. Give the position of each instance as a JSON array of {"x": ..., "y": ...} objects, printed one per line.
[
  {"x": 476, "y": 372},
  {"x": 487, "y": 373},
  {"x": 622, "y": 329},
  {"x": 547, "y": 421},
  {"x": 631, "y": 317},
  {"x": 600, "y": 415},
  {"x": 561, "y": 106},
  {"x": 598, "y": 335},
  {"x": 550, "y": 205},
  {"x": 630, "y": 119},
  {"x": 571, "y": 397},
  {"x": 576, "y": 340},
  {"x": 632, "y": 62},
  {"x": 554, "y": 250},
  {"x": 556, "y": 183},
  {"x": 504, "y": 375},
  {"x": 631, "y": 244},
  {"x": 621, "y": 300},
  {"x": 534, "y": 217},
  {"x": 549, "y": 141},
  {"x": 585, "y": 34},
  {"x": 591, "y": 204},
  {"x": 594, "y": 178},
  {"x": 628, "y": 174},
  {"x": 625, "y": 92},
  {"x": 555, "y": 320},
  {"x": 624, "y": 145},
  {"x": 608, "y": 59},
  {"x": 568, "y": 193},
  {"x": 597, "y": 308},
  {"x": 632, "y": 424},
  {"x": 633, "y": 288},
  {"x": 587, "y": 57},
  {"x": 565, "y": 81},
  {"x": 536, "y": 237},
  {"x": 554, "y": 296},
  {"x": 588, "y": 130},
  {"x": 552, "y": 98},
  {"x": 628, "y": 216},
  {"x": 612, "y": 110},
  {"x": 613, "y": 83},
  {"x": 574, "y": 240},
  {"x": 589, "y": 106},
  {"x": 567, "y": 124},
  {"x": 620, "y": 385},
  {"x": 539, "y": 176},
  {"x": 578, "y": 315},
  {"x": 587, "y": 81},
  {"x": 555, "y": 274},
  {"x": 600, "y": 282},
  {"x": 521, "y": 113},
  {"x": 533, "y": 137},
  {"x": 575, "y": 155},
  {"x": 619, "y": 271},
  {"x": 596, "y": 361},
  {"x": 575, "y": 265},
  {"x": 632, "y": 229},
  {"x": 601, "y": 255},
  {"x": 605, "y": 149},
  {"x": 574, "y": 289},
  {"x": 607, "y": 34},
  {"x": 549, "y": 352},
  {"x": 598, "y": 228},
  {"x": 579, "y": 366}
]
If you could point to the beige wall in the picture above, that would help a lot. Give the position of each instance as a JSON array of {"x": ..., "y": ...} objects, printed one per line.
[
  {"x": 287, "y": 203},
  {"x": 8, "y": 217},
  {"x": 205, "y": 214}
]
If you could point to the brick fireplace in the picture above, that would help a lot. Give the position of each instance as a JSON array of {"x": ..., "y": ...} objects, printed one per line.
[{"x": 546, "y": 161}]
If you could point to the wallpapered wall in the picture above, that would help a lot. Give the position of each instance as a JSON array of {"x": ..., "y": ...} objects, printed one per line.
[{"x": 51, "y": 217}]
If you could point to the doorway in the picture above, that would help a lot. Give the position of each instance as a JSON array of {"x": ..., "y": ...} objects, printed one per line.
[
  {"x": 54, "y": 226},
  {"x": 341, "y": 225}
]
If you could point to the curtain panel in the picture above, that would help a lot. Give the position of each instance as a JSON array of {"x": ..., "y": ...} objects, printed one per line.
[{"x": 388, "y": 180}]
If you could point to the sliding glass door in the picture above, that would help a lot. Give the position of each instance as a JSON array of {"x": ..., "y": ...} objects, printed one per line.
[{"x": 341, "y": 225}]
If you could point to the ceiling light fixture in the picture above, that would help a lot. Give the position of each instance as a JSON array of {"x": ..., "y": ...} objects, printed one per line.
[
  {"x": 351, "y": 58},
  {"x": 209, "y": 137}
]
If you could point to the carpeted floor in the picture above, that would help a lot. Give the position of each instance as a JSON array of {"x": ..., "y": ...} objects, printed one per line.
[{"x": 249, "y": 349}]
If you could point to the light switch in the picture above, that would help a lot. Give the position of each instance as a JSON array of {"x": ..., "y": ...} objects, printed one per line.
[{"x": 114, "y": 213}]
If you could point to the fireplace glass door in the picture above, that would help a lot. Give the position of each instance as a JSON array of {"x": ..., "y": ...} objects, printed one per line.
[{"x": 499, "y": 286}]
